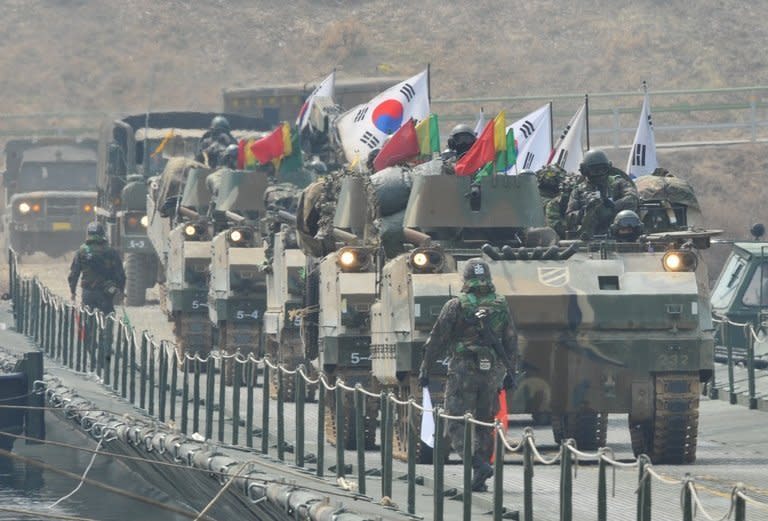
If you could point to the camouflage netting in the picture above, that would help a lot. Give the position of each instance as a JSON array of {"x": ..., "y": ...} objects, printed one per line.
[
  {"x": 672, "y": 189},
  {"x": 282, "y": 196},
  {"x": 171, "y": 181},
  {"x": 134, "y": 194}
]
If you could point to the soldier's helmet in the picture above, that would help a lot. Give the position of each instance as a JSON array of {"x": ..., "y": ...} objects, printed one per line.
[
  {"x": 220, "y": 123},
  {"x": 594, "y": 164},
  {"x": 318, "y": 166},
  {"x": 550, "y": 178},
  {"x": 477, "y": 276},
  {"x": 626, "y": 226},
  {"x": 461, "y": 139},
  {"x": 230, "y": 155},
  {"x": 95, "y": 228}
]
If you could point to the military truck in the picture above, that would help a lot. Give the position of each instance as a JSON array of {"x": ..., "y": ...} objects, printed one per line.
[
  {"x": 177, "y": 209},
  {"x": 740, "y": 296},
  {"x": 49, "y": 196},
  {"x": 603, "y": 327},
  {"x": 132, "y": 150}
]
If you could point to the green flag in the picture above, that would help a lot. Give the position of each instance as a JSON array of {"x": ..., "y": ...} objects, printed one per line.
[
  {"x": 485, "y": 171},
  {"x": 511, "y": 149}
]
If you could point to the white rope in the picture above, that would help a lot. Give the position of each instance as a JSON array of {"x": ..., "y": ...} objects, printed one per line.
[{"x": 82, "y": 479}]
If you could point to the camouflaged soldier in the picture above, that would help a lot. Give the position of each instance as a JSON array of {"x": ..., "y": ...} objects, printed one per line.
[
  {"x": 213, "y": 145},
  {"x": 554, "y": 198},
  {"x": 476, "y": 332},
  {"x": 603, "y": 192},
  {"x": 102, "y": 272},
  {"x": 460, "y": 140}
]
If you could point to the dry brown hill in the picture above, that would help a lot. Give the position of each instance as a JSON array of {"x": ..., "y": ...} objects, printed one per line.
[{"x": 62, "y": 55}]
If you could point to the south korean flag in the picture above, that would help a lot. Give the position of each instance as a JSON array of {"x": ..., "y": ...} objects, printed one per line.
[
  {"x": 533, "y": 140},
  {"x": 642, "y": 157},
  {"x": 367, "y": 126}
]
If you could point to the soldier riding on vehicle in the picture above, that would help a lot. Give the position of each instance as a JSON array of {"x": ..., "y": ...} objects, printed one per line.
[
  {"x": 214, "y": 143},
  {"x": 600, "y": 195},
  {"x": 554, "y": 198},
  {"x": 475, "y": 330},
  {"x": 460, "y": 140},
  {"x": 626, "y": 227}
]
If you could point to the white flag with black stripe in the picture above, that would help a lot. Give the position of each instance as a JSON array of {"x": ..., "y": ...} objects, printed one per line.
[
  {"x": 642, "y": 156},
  {"x": 533, "y": 139},
  {"x": 367, "y": 126},
  {"x": 569, "y": 151}
]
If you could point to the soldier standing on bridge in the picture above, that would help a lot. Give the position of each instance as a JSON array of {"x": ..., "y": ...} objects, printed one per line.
[
  {"x": 476, "y": 332},
  {"x": 602, "y": 193},
  {"x": 102, "y": 272}
]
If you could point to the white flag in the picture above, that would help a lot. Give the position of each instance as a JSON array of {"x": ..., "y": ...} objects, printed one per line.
[
  {"x": 325, "y": 89},
  {"x": 642, "y": 157},
  {"x": 480, "y": 125},
  {"x": 366, "y": 126},
  {"x": 569, "y": 151},
  {"x": 427, "y": 434},
  {"x": 533, "y": 139}
]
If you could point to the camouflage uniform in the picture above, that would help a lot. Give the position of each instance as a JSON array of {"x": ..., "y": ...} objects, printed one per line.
[
  {"x": 554, "y": 197},
  {"x": 102, "y": 274},
  {"x": 475, "y": 372},
  {"x": 594, "y": 204},
  {"x": 213, "y": 146}
]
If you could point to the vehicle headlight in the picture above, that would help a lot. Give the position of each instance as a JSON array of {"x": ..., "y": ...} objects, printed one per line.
[
  {"x": 24, "y": 208},
  {"x": 426, "y": 260},
  {"x": 190, "y": 230},
  {"x": 353, "y": 259},
  {"x": 87, "y": 208},
  {"x": 195, "y": 231},
  {"x": 242, "y": 237},
  {"x": 677, "y": 260},
  {"x": 236, "y": 236},
  {"x": 144, "y": 221}
]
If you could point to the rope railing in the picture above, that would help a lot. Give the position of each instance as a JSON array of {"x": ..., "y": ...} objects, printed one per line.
[
  {"x": 739, "y": 340},
  {"x": 150, "y": 373}
]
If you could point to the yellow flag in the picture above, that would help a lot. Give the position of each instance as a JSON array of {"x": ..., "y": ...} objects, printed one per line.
[
  {"x": 162, "y": 144},
  {"x": 500, "y": 132}
]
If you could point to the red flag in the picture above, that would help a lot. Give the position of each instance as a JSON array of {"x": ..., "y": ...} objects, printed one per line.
[
  {"x": 503, "y": 418},
  {"x": 482, "y": 152},
  {"x": 403, "y": 145},
  {"x": 241, "y": 154},
  {"x": 270, "y": 147}
]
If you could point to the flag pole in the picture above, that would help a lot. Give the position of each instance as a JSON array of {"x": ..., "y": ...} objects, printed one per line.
[
  {"x": 429, "y": 82},
  {"x": 586, "y": 109},
  {"x": 551, "y": 129}
]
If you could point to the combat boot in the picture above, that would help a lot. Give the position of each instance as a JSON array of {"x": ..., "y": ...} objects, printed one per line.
[{"x": 482, "y": 471}]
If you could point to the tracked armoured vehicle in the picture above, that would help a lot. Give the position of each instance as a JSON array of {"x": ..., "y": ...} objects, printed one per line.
[
  {"x": 603, "y": 327},
  {"x": 333, "y": 231},
  {"x": 237, "y": 292},
  {"x": 180, "y": 232}
]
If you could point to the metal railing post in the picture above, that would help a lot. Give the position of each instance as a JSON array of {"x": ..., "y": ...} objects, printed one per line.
[
  {"x": 236, "y": 382},
  {"x": 751, "y": 367},
  {"x": 566, "y": 483},
  {"x": 196, "y": 394},
  {"x": 360, "y": 436},
  {"x": 602, "y": 489},
  {"x": 498, "y": 473},
  {"x": 412, "y": 441},
  {"x": 528, "y": 478},
  {"x": 438, "y": 463},
  {"x": 265, "y": 410},
  {"x": 341, "y": 433},
  {"x": 466, "y": 458},
  {"x": 740, "y": 510},
  {"x": 250, "y": 373},
  {"x": 210, "y": 386},
  {"x": 280, "y": 414},
  {"x": 388, "y": 441},
  {"x": 151, "y": 379},
  {"x": 301, "y": 395},
  {"x": 162, "y": 381},
  {"x": 731, "y": 381},
  {"x": 643, "y": 489},
  {"x": 321, "y": 390},
  {"x": 687, "y": 499},
  {"x": 144, "y": 370},
  {"x": 185, "y": 399},
  {"x": 222, "y": 395}
]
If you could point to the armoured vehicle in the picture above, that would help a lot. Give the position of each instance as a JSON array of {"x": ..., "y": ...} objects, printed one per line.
[
  {"x": 132, "y": 150},
  {"x": 603, "y": 327},
  {"x": 237, "y": 293},
  {"x": 177, "y": 207},
  {"x": 740, "y": 296},
  {"x": 333, "y": 221},
  {"x": 49, "y": 196},
  {"x": 667, "y": 202}
]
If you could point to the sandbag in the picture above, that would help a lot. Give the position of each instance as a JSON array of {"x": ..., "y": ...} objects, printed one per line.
[
  {"x": 392, "y": 187},
  {"x": 391, "y": 234}
]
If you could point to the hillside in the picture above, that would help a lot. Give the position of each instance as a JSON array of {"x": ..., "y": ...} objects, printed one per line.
[{"x": 91, "y": 55}]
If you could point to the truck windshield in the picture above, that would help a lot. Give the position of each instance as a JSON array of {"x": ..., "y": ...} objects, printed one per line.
[{"x": 56, "y": 176}]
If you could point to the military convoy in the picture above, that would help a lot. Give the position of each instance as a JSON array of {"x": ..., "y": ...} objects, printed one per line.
[
  {"x": 131, "y": 151},
  {"x": 49, "y": 195}
]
